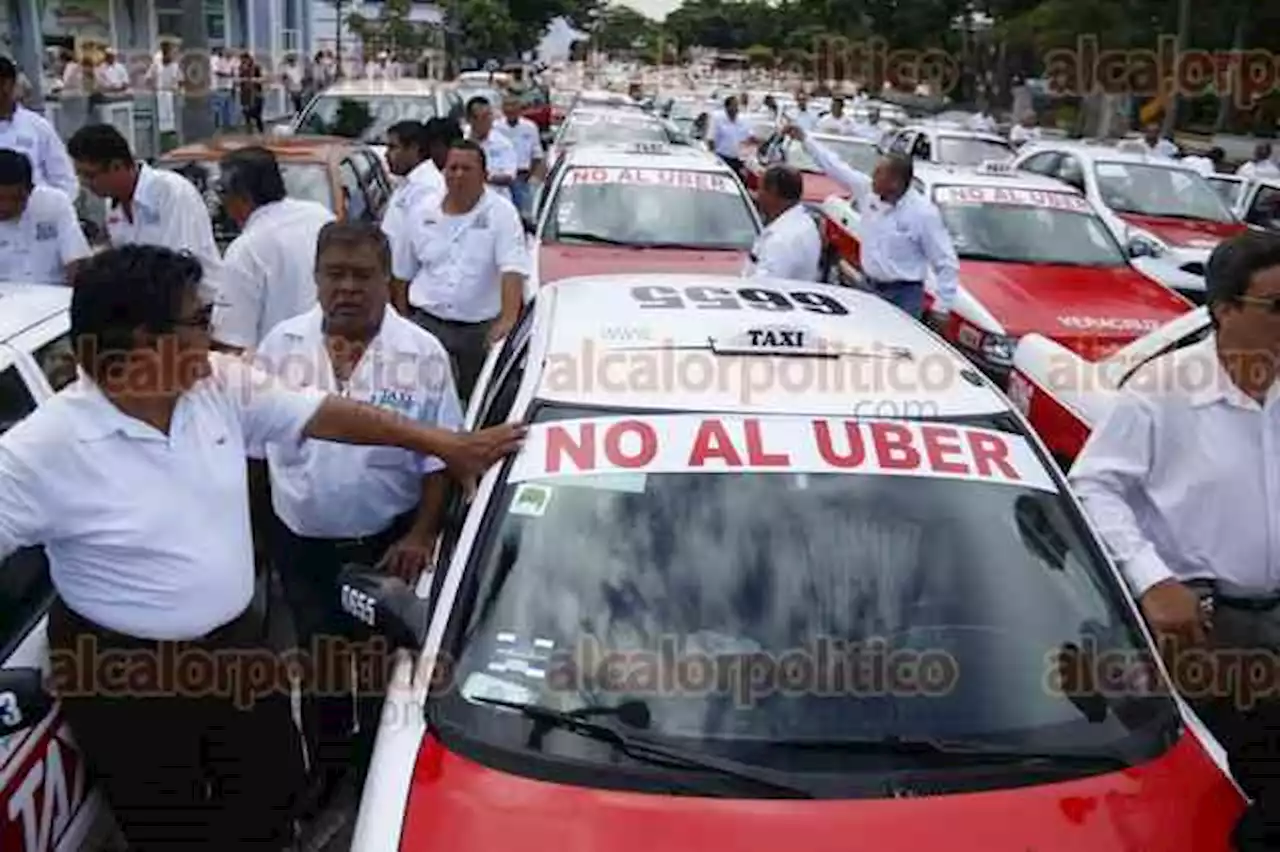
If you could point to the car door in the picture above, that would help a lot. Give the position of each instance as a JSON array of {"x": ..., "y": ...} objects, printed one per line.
[
  {"x": 1264, "y": 208},
  {"x": 375, "y": 193},
  {"x": 356, "y": 204}
]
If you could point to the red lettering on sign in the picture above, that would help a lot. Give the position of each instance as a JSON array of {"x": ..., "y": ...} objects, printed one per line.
[
  {"x": 614, "y": 451},
  {"x": 713, "y": 442},
  {"x": 893, "y": 446},
  {"x": 940, "y": 441},
  {"x": 756, "y": 454},
  {"x": 991, "y": 451},
  {"x": 1003, "y": 196},
  {"x": 581, "y": 453},
  {"x": 857, "y": 453}
]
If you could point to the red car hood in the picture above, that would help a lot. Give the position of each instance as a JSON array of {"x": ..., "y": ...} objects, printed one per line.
[
  {"x": 1179, "y": 801},
  {"x": 1087, "y": 309},
  {"x": 559, "y": 260},
  {"x": 818, "y": 187},
  {"x": 1186, "y": 233}
]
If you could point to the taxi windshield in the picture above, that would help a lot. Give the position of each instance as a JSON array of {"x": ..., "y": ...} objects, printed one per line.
[
  {"x": 306, "y": 181},
  {"x": 1153, "y": 190},
  {"x": 651, "y": 207},
  {"x": 985, "y": 229},
  {"x": 787, "y": 591},
  {"x": 591, "y": 128},
  {"x": 861, "y": 156},
  {"x": 364, "y": 117},
  {"x": 971, "y": 151},
  {"x": 1228, "y": 190}
]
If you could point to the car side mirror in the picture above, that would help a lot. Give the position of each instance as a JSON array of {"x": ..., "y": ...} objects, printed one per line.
[
  {"x": 1138, "y": 247},
  {"x": 384, "y": 604},
  {"x": 23, "y": 699}
]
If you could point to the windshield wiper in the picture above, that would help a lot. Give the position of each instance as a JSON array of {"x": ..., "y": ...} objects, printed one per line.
[
  {"x": 964, "y": 749},
  {"x": 691, "y": 247},
  {"x": 982, "y": 255},
  {"x": 641, "y": 749},
  {"x": 594, "y": 238}
]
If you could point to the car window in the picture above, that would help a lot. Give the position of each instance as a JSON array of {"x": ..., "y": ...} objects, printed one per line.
[
  {"x": 1150, "y": 189},
  {"x": 57, "y": 361},
  {"x": 1264, "y": 211},
  {"x": 364, "y": 117},
  {"x": 307, "y": 181},
  {"x": 368, "y": 172},
  {"x": 1071, "y": 172},
  {"x": 901, "y": 143},
  {"x": 1043, "y": 164},
  {"x": 16, "y": 401},
  {"x": 353, "y": 191},
  {"x": 970, "y": 151},
  {"x": 922, "y": 149}
]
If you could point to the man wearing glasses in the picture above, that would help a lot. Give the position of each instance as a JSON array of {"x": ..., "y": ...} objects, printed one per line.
[
  {"x": 134, "y": 481},
  {"x": 1181, "y": 479}
]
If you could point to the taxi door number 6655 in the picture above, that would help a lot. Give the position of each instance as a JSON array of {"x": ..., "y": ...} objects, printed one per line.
[
  {"x": 722, "y": 298},
  {"x": 358, "y": 604}
]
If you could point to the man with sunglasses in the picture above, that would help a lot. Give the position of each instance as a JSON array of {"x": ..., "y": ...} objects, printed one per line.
[
  {"x": 1181, "y": 481},
  {"x": 133, "y": 479}
]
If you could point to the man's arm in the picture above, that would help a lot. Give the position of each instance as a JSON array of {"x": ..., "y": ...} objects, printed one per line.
[
  {"x": 940, "y": 251},
  {"x": 513, "y": 262},
  {"x": 404, "y": 261},
  {"x": 56, "y": 163},
  {"x": 72, "y": 245},
  {"x": 853, "y": 181},
  {"x": 22, "y": 520}
]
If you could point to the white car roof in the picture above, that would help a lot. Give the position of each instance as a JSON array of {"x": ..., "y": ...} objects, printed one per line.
[
  {"x": 1095, "y": 152},
  {"x": 405, "y": 86},
  {"x": 939, "y": 175},
  {"x": 604, "y": 96},
  {"x": 955, "y": 132},
  {"x": 584, "y": 320},
  {"x": 25, "y": 305},
  {"x": 618, "y": 113},
  {"x": 643, "y": 155}
]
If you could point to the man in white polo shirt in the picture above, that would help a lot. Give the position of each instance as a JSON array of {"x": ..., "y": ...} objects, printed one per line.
[
  {"x": 501, "y": 160},
  {"x": 524, "y": 137},
  {"x": 340, "y": 504},
  {"x": 145, "y": 205},
  {"x": 268, "y": 274},
  {"x": 41, "y": 240},
  {"x": 32, "y": 134},
  {"x": 134, "y": 481},
  {"x": 409, "y": 148},
  {"x": 460, "y": 264}
]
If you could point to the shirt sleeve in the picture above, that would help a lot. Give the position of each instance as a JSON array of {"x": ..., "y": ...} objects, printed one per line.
[
  {"x": 23, "y": 521},
  {"x": 55, "y": 163},
  {"x": 854, "y": 182},
  {"x": 270, "y": 412},
  {"x": 940, "y": 251},
  {"x": 1114, "y": 464},
  {"x": 72, "y": 245},
  {"x": 447, "y": 414},
  {"x": 191, "y": 230},
  {"x": 512, "y": 254},
  {"x": 241, "y": 296},
  {"x": 404, "y": 258}
]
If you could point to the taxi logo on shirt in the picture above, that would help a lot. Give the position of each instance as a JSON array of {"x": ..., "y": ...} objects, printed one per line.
[
  {"x": 46, "y": 231},
  {"x": 481, "y": 222},
  {"x": 396, "y": 399}
]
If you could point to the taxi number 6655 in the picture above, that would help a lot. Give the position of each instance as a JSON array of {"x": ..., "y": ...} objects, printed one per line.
[
  {"x": 359, "y": 604},
  {"x": 723, "y": 298}
]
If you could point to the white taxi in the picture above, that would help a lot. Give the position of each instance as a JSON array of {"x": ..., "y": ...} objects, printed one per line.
[
  {"x": 605, "y": 124},
  {"x": 1157, "y": 208},
  {"x": 47, "y": 799},
  {"x": 641, "y": 208},
  {"x": 724, "y": 595},
  {"x": 948, "y": 144}
]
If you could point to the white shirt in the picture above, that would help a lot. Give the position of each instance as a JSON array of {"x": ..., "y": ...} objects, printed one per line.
[
  {"x": 789, "y": 247},
  {"x": 1253, "y": 169},
  {"x": 37, "y": 247},
  {"x": 805, "y": 118},
  {"x": 147, "y": 534},
  {"x": 268, "y": 274},
  {"x": 845, "y": 125},
  {"x": 1163, "y": 148},
  {"x": 1019, "y": 134},
  {"x": 500, "y": 159},
  {"x": 729, "y": 135},
  {"x": 454, "y": 264},
  {"x": 224, "y": 70},
  {"x": 292, "y": 75},
  {"x": 1203, "y": 165},
  {"x": 165, "y": 76},
  {"x": 1182, "y": 478},
  {"x": 167, "y": 211},
  {"x": 112, "y": 76},
  {"x": 902, "y": 241},
  {"x": 982, "y": 123},
  {"x": 424, "y": 180},
  {"x": 525, "y": 138},
  {"x": 33, "y": 135},
  {"x": 322, "y": 489}
]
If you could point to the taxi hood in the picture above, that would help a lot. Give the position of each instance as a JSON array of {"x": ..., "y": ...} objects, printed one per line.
[
  {"x": 1090, "y": 310},
  {"x": 1180, "y": 800},
  {"x": 1185, "y": 233},
  {"x": 818, "y": 187},
  {"x": 562, "y": 260}
]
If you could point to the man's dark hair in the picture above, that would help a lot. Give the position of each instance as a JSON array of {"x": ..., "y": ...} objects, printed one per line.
[
  {"x": 121, "y": 290},
  {"x": 469, "y": 145},
  {"x": 15, "y": 168},
  {"x": 1234, "y": 263},
  {"x": 1216, "y": 154},
  {"x": 1262, "y": 150},
  {"x": 441, "y": 131},
  {"x": 8, "y": 70},
  {"x": 252, "y": 173},
  {"x": 354, "y": 234},
  {"x": 475, "y": 103},
  {"x": 784, "y": 181},
  {"x": 412, "y": 134},
  {"x": 100, "y": 144},
  {"x": 730, "y": 100},
  {"x": 903, "y": 167}
]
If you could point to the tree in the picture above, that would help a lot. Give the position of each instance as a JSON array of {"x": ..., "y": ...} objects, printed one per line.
[
  {"x": 621, "y": 28},
  {"x": 392, "y": 31}
]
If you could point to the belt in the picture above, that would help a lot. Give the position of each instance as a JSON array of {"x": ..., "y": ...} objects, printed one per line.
[
  {"x": 895, "y": 283},
  {"x": 1239, "y": 597},
  {"x": 449, "y": 322}
]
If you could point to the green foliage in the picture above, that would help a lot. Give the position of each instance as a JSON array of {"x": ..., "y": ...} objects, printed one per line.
[{"x": 392, "y": 31}]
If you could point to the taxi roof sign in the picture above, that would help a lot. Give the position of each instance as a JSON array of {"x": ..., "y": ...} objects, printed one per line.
[{"x": 649, "y": 148}]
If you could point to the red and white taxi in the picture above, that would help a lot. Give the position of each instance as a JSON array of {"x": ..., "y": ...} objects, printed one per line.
[
  {"x": 747, "y": 585},
  {"x": 47, "y": 800},
  {"x": 1163, "y": 211},
  {"x": 1034, "y": 257},
  {"x": 641, "y": 208},
  {"x": 599, "y": 125},
  {"x": 1064, "y": 394}
]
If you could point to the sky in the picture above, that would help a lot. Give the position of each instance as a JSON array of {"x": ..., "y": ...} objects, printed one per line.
[{"x": 656, "y": 9}]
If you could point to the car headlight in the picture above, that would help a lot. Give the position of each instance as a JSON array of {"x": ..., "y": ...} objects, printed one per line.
[
  {"x": 1145, "y": 244},
  {"x": 998, "y": 349}
]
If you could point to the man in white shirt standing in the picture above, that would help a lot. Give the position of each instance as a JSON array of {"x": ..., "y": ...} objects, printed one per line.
[
  {"x": 983, "y": 121},
  {"x": 335, "y": 504},
  {"x": 729, "y": 133},
  {"x": 166, "y": 79},
  {"x": 524, "y": 137},
  {"x": 803, "y": 116},
  {"x": 1155, "y": 144},
  {"x": 268, "y": 273},
  {"x": 1207, "y": 165},
  {"x": 41, "y": 241},
  {"x": 790, "y": 245},
  {"x": 498, "y": 152},
  {"x": 145, "y": 205},
  {"x": 412, "y": 151},
  {"x": 223, "y": 68},
  {"x": 1026, "y": 130},
  {"x": 134, "y": 481},
  {"x": 836, "y": 121},
  {"x": 1262, "y": 165},
  {"x": 903, "y": 236},
  {"x": 31, "y": 133},
  {"x": 1179, "y": 480},
  {"x": 291, "y": 76},
  {"x": 459, "y": 265},
  {"x": 111, "y": 75}
]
